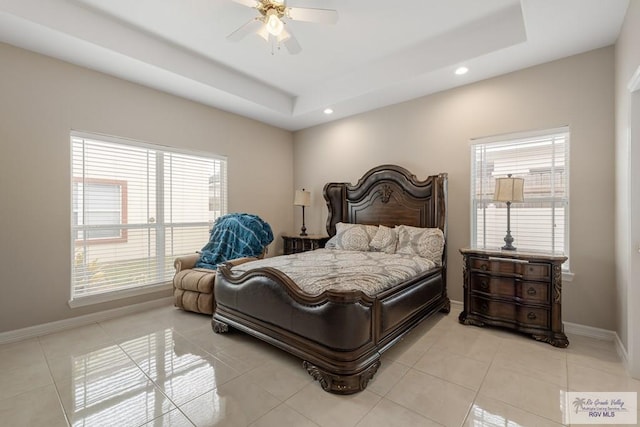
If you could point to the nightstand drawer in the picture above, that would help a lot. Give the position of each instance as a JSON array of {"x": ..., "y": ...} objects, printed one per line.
[
  {"x": 528, "y": 270},
  {"x": 533, "y": 292},
  {"x": 533, "y": 316},
  {"x": 493, "y": 309},
  {"x": 503, "y": 286},
  {"x": 509, "y": 287},
  {"x": 534, "y": 271},
  {"x": 498, "y": 310}
]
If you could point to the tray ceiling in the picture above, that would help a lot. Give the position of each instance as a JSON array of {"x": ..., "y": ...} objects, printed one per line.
[{"x": 379, "y": 53}]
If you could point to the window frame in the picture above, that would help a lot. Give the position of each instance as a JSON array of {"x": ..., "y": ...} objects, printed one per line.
[{"x": 518, "y": 138}]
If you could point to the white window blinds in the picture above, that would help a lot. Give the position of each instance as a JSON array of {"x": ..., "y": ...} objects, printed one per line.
[
  {"x": 135, "y": 207},
  {"x": 541, "y": 222}
]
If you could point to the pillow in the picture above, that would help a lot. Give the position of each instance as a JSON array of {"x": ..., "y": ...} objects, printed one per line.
[
  {"x": 385, "y": 240},
  {"x": 425, "y": 242},
  {"x": 353, "y": 237},
  {"x": 331, "y": 243}
]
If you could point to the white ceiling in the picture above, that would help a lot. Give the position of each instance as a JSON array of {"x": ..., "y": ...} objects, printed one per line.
[{"x": 380, "y": 52}]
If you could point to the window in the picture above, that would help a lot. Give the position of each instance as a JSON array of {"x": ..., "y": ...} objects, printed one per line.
[
  {"x": 541, "y": 222},
  {"x": 105, "y": 203},
  {"x": 135, "y": 207}
]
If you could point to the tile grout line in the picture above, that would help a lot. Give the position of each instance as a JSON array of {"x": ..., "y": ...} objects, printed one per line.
[
  {"x": 55, "y": 384},
  {"x": 477, "y": 392},
  {"x": 401, "y": 378},
  {"x": 284, "y": 403}
]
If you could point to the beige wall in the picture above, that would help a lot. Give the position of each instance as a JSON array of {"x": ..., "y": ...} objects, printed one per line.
[
  {"x": 431, "y": 135},
  {"x": 41, "y": 100},
  {"x": 627, "y": 61}
]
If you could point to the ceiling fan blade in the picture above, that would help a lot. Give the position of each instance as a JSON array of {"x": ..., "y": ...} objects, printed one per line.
[
  {"x": 248, "y": 3},
  {"x": 263, "y": 32},
  {"x": 250, "y": 27},
  {"x": 290, "y": 42},
  {"x": 323, "y": 16}
]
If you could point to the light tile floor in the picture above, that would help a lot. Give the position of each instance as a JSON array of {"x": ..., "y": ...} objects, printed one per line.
[{"x": 166, "y": 367}]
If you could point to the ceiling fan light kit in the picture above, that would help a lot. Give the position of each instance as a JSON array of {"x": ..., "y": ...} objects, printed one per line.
[
  {"x": 270, "y": 24},
  {"x": 274, "y": 24}
]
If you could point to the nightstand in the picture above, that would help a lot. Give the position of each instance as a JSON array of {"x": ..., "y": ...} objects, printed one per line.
[
  {"x": 296, "y": 243},
  {"x": 516, "y": 290}
]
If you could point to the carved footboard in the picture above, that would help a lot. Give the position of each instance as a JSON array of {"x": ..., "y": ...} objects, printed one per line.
[{"x": 340, "y": 336}]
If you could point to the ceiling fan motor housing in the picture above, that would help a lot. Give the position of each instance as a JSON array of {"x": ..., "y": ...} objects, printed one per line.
[{"x": 271, "y": 7}]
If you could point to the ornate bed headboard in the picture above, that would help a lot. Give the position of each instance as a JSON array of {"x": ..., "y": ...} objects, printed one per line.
[{"x": 388, "y": 195}]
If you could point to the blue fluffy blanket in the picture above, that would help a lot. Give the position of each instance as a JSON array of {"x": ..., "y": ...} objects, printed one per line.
[{"x": 234, "y": 236}]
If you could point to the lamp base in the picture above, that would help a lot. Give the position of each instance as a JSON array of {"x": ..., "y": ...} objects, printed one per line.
[
  {"x": 508, "y": 239},
  {"x": 303, "y": 229}
]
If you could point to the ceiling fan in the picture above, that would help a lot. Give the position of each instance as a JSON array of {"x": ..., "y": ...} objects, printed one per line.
[{"x": 273, "y": 15}]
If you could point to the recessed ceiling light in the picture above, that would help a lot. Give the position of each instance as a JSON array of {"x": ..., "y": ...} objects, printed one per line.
[
  {"x": 461, "y": 70},
  {"x": 328, "y": 111}
]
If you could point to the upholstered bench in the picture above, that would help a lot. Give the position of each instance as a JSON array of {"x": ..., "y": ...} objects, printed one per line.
[{"x": 193, "y": 287}]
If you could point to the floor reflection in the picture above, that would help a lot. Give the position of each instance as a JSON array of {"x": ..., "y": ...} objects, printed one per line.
[
  {"x": 181, "y": 369},
  {"x": 479, "y": 417},
  {"x": 107, "y": 388},
  {"x": 141, "y": 379}
]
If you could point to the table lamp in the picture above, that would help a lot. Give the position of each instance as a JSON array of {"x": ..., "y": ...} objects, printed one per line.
[
  {"x": 509, "y": 190},
  {"x": 302, "y": 198}
]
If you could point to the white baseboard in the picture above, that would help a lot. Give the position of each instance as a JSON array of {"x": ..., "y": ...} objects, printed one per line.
[
  {"x": 459, "y": 304},
  {"x": 74, "y": 322},
  {"x": 622, "y": 352},
  {"x": 601, "y": 334},
  {"x": 589, "y": 331}
]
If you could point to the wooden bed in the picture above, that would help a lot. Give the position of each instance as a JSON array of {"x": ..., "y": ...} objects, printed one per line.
[{"x": 340, "y": 336}]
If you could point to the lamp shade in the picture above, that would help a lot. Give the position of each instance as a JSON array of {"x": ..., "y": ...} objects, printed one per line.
[
  {"x": 509, "y": 190},
  {"x": 302, "y": 198}
]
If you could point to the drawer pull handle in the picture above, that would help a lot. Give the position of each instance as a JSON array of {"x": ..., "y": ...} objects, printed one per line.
[
  {"x": 484, "y": 267},
  {"x": 484, "y": 285},
  {"x": 531, "y": 316},
  {"x": 484, "y": 306},
  {"x": 531, "y": 291}
]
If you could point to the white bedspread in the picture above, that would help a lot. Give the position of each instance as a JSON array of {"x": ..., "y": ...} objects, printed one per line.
[{"x": 370, "y": 272}]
